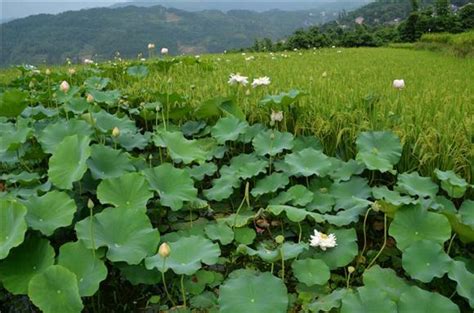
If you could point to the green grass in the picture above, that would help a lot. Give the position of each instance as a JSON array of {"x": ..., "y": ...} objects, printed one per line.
[
  {"x": 433, "y": 115},
  {"x": 457, "y": 44}
]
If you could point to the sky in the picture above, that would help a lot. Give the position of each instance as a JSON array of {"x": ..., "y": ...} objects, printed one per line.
[{"x": 20, "y": 8}]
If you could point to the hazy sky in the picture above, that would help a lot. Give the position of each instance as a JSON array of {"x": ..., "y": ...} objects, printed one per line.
[{"x": 21, "y": 8}]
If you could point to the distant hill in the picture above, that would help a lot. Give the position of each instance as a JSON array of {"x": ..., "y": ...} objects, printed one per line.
[
  {"x": 251, "y": 5},
  {"x": 99, "y": 33}
]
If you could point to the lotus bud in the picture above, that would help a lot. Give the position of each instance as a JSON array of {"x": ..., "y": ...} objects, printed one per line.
[
  {"x": 48, "y": 72},
  {"x": 90, "y": 204},
  {"x": 351, "y": 269},
  {"x": 279, "y": 239},
  {"x": 64, "y": 87},
  {"x": 398, "y": 84},
  {"x": 90, "y": 98},
  {"x": 164, "y": 250},
  {"x": 247, "y": 93},
  {"x": 151, "y": 46},
  {"x": 115, "y": 132},
  {"x": 164, "y": 50}
]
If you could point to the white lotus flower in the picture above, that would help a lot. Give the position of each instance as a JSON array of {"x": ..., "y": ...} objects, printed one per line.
[
  {"x": 88, "y": 61},
  {"x": 399, "y": 84},
  {"x": 151, "y": 46},
  {"x": 322, "y": 240},
  {"x": 250, "y": 58},
  {"x": 64, "y": 87},
  {"x": 276, "y": 116},
  {"x": 164, "y": 50},
  {"x": 261, "y": 81},
  {"x": 237, "y": 79}
]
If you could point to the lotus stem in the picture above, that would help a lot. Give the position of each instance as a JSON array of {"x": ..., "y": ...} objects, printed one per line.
[
  {"x": 183, "y": 292},
  {"x": 365, "y": 231},
  {"x": 164, "y": 283},
  {"x": 300, "y": 232},
  {"x": 450, "y": 244},
  {"x": 384, "y": 241},
  {"x": 282, "y": 264}
]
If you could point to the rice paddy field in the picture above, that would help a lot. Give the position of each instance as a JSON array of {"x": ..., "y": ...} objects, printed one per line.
[
  {"x": 348, "y": 91},
  {"x": 333, "y": 180}
]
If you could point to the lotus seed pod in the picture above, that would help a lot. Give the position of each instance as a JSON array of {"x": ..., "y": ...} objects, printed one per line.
[
  {"x": 116, "y": 132},
  {"x": 164, "y": 250},
  {"x": 279, "y": 239}
]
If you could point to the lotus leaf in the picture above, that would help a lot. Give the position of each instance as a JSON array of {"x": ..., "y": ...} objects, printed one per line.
[
  {"x": 228, "y": 129},
  {"x": 221, "y": 232},
  {"x": 466, "y": 211},
  {"x": 367, "y": 299},
  {"x": 139, "y": 274},
  {"x": 328, "y": 302},
  {"x": 272, "y": 142},
  {"x": 415, "y": 185},
  {"x": 12, "y": 220},
  {"x": 106, "y": 162},
  {"x": 182, "y": 149},
  {"x": 294, "y": 214},
  {"x": 385, "y": 279},
  {"x": 342, "y": 254},
  {"x": 248, "y": 165},
  {"x": 13, "y": 102},
  {"x": 308, "y": 162},
  {"x": 55, "y": 133},
  {"x": 270, "y": 184},
  {"x": 311, "y": 272},
  {"x": 418, "y": 300},
  {"x": 465, "y": 280},
  {"x": 454, "y": 185},
  {"x": 379, "y": 150}
]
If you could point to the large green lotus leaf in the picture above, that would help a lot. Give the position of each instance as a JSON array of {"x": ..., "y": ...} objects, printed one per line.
[
  {"x": 128, "y": 234},
  {"x": 109, "y": 97},
  {"x": 55, "y": 133},
  {"x": 385, "y": 279},
  {"x": 23, "y": 178},
  {"x": 138, "y": 71},
  {"x": 251, "y": 132},
  {"x": 13, "y": 102},
  {"x": 465, "y": 279},
  {"x": 127, "y": 191},
  {"x": 272, "y": 142},
  {"x": 272, "y": 254},
  {"x": 294, "y": 214},
  {"x": 95, "y": 82},
  {"x": 304, "y": 142},
  {"x": 218, "y": 106},
  {"x": 297, "y": 195},
  {"x": 342, "y": 254},
  {"x": 244, "y": 235},
  {"x": 270, "y": 184},
  {"x": 68, "y": 162},
  {"x": 106, "y": 162},
  {"x": 182, "y": 149},
  {"x": 89, "y": 270},
  {"x": 366, "y": 300},
  {"x": 343, "y": 171},
  {"x": 349, "y": 193},
  {"x": 413, "y": 223},
  {"x": 186, "y": 256},
  {"x": 222, "y": 187},
  {"x": 13, "y": 136},
  {"x": 392, "y": 197},
  {"x": 173, "y": 185},
  {"x": 379, "y": 150},
  {"x": 106, "y": 122},
  {"x": 12, "y": 220},
  {"x": 228, "y": 129},
  {"x": 328, "y": 302},
  {"x": 198, "y": 172},
  {"x": 308, "y": 162},
  {"x": 138, "y": 274},
  {"x": 454, "y": 185},
  {"x": 311, "y": 272},
  {"x": 32, "y": 257},
  {"x": 425, "y": 260},
  {"x": 248, "y": 165},
  {"x": 220, "y": 231},
  {"x": 191, "y": 128},
  {"x": 197, "y": 283},
  {"x": 415, "y": 185},
  {"x": 464, "y": 231},
  {"x": 131, "y": 140},
  {"x": 346, "y": 217},
  {"x": 55, "y": 291},
  {"x": 253, "y": 293},
  {"x": 322, "y": 202},
  {"x": 49, "y": 212},
  {"x": 421, "y": 301},
  {"x": 282, "y": 100},
  {"x": 466, "y": 211}
]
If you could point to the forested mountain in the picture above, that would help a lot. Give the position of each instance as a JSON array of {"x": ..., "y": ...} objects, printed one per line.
[{"x": 99, "y": 33}]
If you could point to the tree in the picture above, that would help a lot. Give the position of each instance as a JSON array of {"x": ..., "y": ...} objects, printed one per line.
[
  {"x": 466, "y": 15},
  {"x": 442, "y": 8}
]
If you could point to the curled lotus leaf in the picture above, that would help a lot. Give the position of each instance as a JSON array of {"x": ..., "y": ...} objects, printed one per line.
[
  {"x": 416, "y": 185},
  {"x": 454, "y": 185}
]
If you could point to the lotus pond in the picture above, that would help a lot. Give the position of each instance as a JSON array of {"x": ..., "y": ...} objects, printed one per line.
[{"x": 119, "y": 197}]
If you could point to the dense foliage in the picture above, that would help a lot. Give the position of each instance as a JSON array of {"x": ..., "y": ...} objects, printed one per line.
[
  {"x": 364, "y": 28},
  {"x": 119, "y": 201}
]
